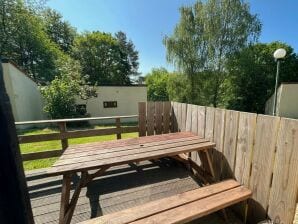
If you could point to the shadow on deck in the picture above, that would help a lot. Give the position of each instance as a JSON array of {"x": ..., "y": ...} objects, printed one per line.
[{"x": 120, "y": 188}]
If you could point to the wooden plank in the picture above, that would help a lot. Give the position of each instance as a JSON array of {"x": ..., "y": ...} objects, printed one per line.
[
  {"x": 283, "y": 195},
  {"x": 194, "y": 126},
  {"x": 65, "y": 196},
  {"x": 41, "y": 155},
  {"x": 142, "y": 118},
  {"x": 219, "y": 130},
  {"x": 188, "y": 117},
  {"x": 199, "y": 208},
  {"x": 64, "y": 141},
  {"x": 166, "y": 117},
  {"x": 230, "y": 142},
  {"x": 118, "y": 126},
  {"x": 150, "y": 118},
  {"x": 128, "y": 159},
  {"x": 75, "y": 134},
  {"x": 134, "y": 151},
  {"x": 183, "y": 116},
  {"x": 262, "y": 166},
  {"x": 245, "y": 141},
  {"x": 202, "y": 120},
  {"x": 179, "y": 117},
  {"x": 158, "y": 117},
  {"x": 154, "y": 207},
  {"x": 209, "y": 125},
  {"x": 174, "y": 114}
]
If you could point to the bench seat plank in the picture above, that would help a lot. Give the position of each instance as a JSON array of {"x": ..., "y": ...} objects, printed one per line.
[{"x": 189, "y": 205}]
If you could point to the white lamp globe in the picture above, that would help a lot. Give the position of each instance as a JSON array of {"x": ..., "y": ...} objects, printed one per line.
[{"x": 279, "y": 53}]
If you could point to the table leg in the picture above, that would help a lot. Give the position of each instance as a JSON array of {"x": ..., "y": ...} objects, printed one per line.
[
  {"x": 209, "y": 162},
  {"x": 65, "y": 194}
]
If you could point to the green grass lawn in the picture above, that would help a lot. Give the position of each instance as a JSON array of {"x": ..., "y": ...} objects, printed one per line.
[{"x": 56, "y": 144}]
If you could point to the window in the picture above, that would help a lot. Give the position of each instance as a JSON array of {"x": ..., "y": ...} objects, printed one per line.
[
  {"x": 81, "y": 109},
  {"x": 109, "y": 104}
]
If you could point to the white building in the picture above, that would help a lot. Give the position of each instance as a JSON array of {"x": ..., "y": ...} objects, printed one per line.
[
  {"x": 287, "y": 101},
  {"x": 27, "y": 102}
]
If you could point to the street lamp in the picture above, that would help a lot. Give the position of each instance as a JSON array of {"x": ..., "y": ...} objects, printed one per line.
[{"x": 278, "y": 55}]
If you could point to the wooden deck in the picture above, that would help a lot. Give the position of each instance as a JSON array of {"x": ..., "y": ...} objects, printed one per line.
[{"x": 121, "y": 187}]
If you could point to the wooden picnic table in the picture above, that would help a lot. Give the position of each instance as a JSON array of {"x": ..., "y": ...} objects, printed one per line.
[{"x": 98, "y": 157}]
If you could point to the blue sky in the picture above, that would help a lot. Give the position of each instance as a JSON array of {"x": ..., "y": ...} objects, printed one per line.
[{"x": 146, "y": 22}]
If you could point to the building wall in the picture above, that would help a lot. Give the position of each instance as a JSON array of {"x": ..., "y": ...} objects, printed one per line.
[
  {"x": 287, "y": 105},
  {"x": 24, "y": 95},
  {"x": 127, "y": 98}
]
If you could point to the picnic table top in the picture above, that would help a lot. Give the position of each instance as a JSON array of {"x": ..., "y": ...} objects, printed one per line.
[{"x": 84, "y": 157}]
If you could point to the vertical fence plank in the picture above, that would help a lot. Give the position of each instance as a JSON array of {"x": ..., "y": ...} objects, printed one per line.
[
  {"x": 219, "y": 128},
  {"x": 183, "y": 116},
  {"x": 230, "y": 141},
  {"x": 118, "y": 126},
  {"x": 158, "y": 117},
  {"x": 142, "y": 118},
  {"x": 174, "y": 113},
  {"x": 201, "y": 121},
  {"x": 262, "y": 166},
  {"x": 283, "y": 196},
  {"x": 179, "y": 116},
  {"x": 245, "y": 141},
  {"x": 188, "y": 117},
  {"x": 209, "y": 125},
  {"x": 64, "y": 141},
  {"x": 150, "y": 118},
  {"x": 194, "y": 127},
  {"x": 166, "y": 117}
]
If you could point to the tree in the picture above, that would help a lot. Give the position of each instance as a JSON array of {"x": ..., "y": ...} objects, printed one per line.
[
  {"x": 178, "y": 88},
  {"x": 59, "y": 31},
  {"x": 206, "y": 34},
  {"x": 156, "y": 82},
  {"x": 61, "y": 94},
  {"x": 251, "y": 76},
  {"x": 24, "y": 40},
  {"x": 104, "y": 58}
]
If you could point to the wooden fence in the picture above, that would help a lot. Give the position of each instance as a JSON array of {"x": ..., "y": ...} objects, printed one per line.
[
  {"x": 64, "y": 134},
  {"x": 259, "y": 151}
]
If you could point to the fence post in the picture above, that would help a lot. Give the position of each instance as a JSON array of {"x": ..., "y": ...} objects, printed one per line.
[
  {"x": 118, "y": 126},
  {"x": 64, "y": 141}
]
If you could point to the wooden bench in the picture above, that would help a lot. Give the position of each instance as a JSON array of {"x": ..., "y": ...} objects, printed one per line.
[{"x": 180, "y": 208}]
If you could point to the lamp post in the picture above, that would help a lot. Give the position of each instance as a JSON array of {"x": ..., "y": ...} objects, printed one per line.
[{"x": 278, "y": 55}]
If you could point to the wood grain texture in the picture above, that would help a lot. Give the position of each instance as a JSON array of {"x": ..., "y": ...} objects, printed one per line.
[
  {"x": 179, "y": 116},
  {"x": 183, "y": 116},
  {"x": 245, "y": 144},
  {"x": 219, "y": 131},
  {"x": 188, "y": 121},
  {"x": 166, "y": 117},
  {"x": 194, "y": 126},
  {"x": 142, "y": 118},
  {"x": 150, "y": 118},
  {"x": 262, "y": 166},
  {"x": 41, "y": 155},
  {"x": 209, "y": 125},
  {"x": 230, "y": 142},
  {"x": 202, "y": 120},
  {"x": 283, "y": 195},
  {"x": 174, "y": 113},
  {"x": 158, "y": 117},
  {"x": 154, "y": 207}
]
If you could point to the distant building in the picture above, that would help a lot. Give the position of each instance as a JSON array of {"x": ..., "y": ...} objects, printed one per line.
[
  {"x": 287, "y": 101},
  {"x": 27, "y": 103}
]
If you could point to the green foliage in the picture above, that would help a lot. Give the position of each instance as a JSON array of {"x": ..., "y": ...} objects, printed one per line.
[
  {"x": 251, "y": 78},
  {"x": 61, "y": 94},
  {"x": 106, "y": 59},
  {"x": 24, "y": 40},
  {"x": 206, "y": 34},
  {"x": 156, "y": 82},
  {"x": 178, "y": 88}
]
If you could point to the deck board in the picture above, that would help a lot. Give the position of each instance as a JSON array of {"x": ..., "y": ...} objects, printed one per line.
[{"x": 120, "y": 188}]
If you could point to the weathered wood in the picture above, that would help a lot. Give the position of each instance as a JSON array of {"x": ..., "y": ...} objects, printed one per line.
[
  {"x": 41, "y": 155},
  {"x": 155, "y": 207},
  {"x": 15, "y": 206},
  {"x": 64, "y": 141},
  {"x": 166, "y": 117},
  {"x": 65, "y": 196},
  {"x": 283, "y": 195},
  {"x": 219, "y": 130},
  {"x": 194, "y": 126},
  {"x": 142, "y": 119},
  {"x": 209, "y": 125},
  {"x": 179, "y": 116},
  {"x": 230, "y": 142},
  {"x": 174, "y": 115},
  {"x": 200, "y": 157},
  {"x": 118, "y": 126},
  {"x": 150, "y": 118},
  {"x": 199, "y": 208},
  {"x": 158, "y": 117},
  {"x": 188, "y": 121},
  {"x": 245, "y": 143},
  {"x": 262, "y": 166},
  {"x": 183, "y": 116}
]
